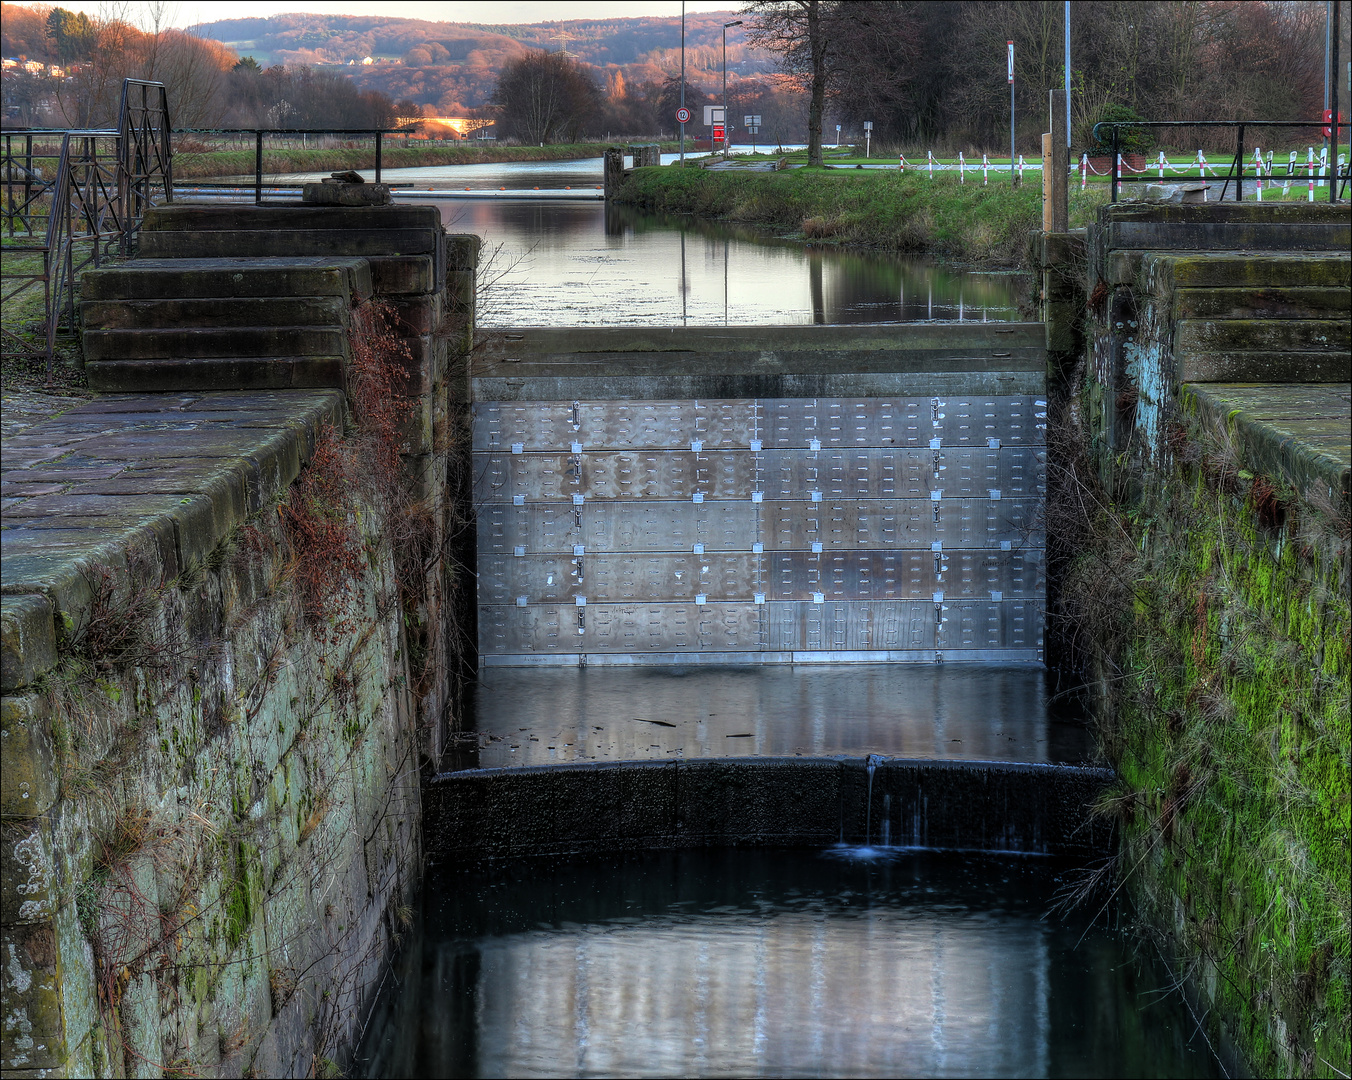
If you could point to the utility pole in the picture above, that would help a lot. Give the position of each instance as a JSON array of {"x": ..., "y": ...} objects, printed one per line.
[
  {"x": 726, "y": 115},
  {"x": 682, "y": 79}
]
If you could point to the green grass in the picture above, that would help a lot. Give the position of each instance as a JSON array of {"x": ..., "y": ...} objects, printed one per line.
[{"x": 879, "y": 209}]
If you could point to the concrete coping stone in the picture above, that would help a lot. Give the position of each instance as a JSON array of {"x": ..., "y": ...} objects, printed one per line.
[
  {"x": 959, "y": 338},
  {"x": 1301, "y": 432},
  {"x": 137, "y": 484},
  {"x": 515, "y": 811},
  {"x": 231, "y": 277}
]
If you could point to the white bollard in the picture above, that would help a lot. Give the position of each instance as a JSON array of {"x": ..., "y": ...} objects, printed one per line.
[
  {"x": 1309, "y": 168},
  {"x": 985, "y": 170},
  {"x": 1323, "y": 164},
  {"x": 930, "y": 157},
  {"x": 1291, "y": 169},
  {"x": 1084, "y": 171},
  {"x": 901, "y": 163},
  {"x": 962, "y": 168},
  {"x": 1161, "y": 165},
  {"x": 1020, "y": 170},
  {"x": 1257, "y": 173}
]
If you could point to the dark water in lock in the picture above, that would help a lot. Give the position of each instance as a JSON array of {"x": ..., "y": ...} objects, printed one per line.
[{"x": 773, "y": 963}]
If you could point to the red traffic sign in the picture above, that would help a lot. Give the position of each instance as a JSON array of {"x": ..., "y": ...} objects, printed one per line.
[
  {"x": 682, "y": 116},
  {"x": 718, "y": 132},
  {"x": 1328, "y": 122}
]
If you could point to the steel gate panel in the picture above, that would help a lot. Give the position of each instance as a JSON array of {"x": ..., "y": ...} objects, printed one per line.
[{"x": 788, "y": 529}]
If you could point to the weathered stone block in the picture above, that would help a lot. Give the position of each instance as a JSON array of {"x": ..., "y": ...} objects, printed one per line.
[
  {"x": 29, "y": 783},
  {"x": 463, "y": 251},
  {"x": 31, "y": 1019},
  {"x": 28, "y": 873},
  {"x": 402, "y": 275},
  {"x": 328, "y": 194},
  {"x": 27, "y": 640}
]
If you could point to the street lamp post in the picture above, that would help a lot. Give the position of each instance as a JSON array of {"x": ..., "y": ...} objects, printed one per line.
[
  {"x": 726, "y": 114},
  {"x": 682, "y": 83}
]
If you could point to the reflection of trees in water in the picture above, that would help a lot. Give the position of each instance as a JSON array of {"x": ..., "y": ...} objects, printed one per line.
[{"x": 617, "y": 248}]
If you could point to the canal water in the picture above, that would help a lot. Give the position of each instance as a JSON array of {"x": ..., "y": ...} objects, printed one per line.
[
  {"x": 774, "y": 963},
  {"x": 881, "y": 962},
  {"x": 553, "y": 258}
]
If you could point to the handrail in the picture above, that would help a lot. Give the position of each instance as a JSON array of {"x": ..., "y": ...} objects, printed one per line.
[
  {"x": 1237, "y": 165},
  {"x": 258, "y": 134},
  {"x": 104, "y": 181}
]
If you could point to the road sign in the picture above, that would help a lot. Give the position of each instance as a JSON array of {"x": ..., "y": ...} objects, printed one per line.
[
  {"x": 1011, "y": 61},
  {"x": 718, "y": 133},
  {"x": 683, "y": 116},
  {"x": 751, "y": 121},
  {"x": 868, "y": 125},
  {"x": 713, "y": 114}
]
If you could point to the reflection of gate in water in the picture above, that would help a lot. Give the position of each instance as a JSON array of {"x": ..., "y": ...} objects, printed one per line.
[{"x": 760, "y": 529}]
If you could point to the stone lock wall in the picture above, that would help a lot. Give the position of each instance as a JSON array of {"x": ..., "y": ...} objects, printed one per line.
[
  {"x": 228, "y": 650},
  {"x": 1205, "y": 437}
]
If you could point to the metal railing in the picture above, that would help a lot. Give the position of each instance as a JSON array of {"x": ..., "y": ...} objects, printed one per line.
[
  {"x": 76, "y": 197},
  {"x": 1237, "y": 165},
  {"x": 258, "y": 134}
]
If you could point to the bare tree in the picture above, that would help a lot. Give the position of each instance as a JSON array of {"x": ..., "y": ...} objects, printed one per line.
[
  {"x": 799, "y": 32},
  {"x": 544, "y": 96}
]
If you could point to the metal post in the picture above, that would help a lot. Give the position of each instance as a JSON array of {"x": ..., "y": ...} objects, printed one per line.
[
  {"x": 258, "y": 168},
  {"x": 682, "y": 78},
  {"x": 1067, "y": 74},
  {"x": 1333, "y": 102},
  {"x": 1112, "y": 197},
  {"x": 726, "y": 122},
  {"x": 379, "y": 137},
  {"x": 1012, "y": 183}
]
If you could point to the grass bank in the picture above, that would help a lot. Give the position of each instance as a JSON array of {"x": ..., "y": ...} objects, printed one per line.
[
  {"x": 873, "y": 208},
  {"x": 189, "y": 166}
]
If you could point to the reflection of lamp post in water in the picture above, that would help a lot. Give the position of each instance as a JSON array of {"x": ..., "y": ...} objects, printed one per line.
[
  {"x": 725, "y": 279},
  {"x": 726, "y": 114},
  {"x": 685, "y": 288}
]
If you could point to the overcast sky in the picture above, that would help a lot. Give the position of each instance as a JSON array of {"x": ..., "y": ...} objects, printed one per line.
[{"x": 190, "y": 12}]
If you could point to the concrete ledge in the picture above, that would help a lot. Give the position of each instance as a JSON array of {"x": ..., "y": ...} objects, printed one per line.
[
  {"x": 1296, "y": 432},
  {"x": 1253, "y": 270},
  {"x": 762, "y": 802},
  {"x": 216, "y": 373},
  {"x": 544, "y": 386},
  {"x": 139, "y": 485},
  {"x": 227, "y": 341},
  {"x": 1263, "y": 366},
  {"x": 957, "y": 338},
  {"x": 189, "y": 278}
]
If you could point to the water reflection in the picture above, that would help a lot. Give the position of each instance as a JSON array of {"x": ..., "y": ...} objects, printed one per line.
[
  {"x": 960, "y": 712},
  {"x": 581, "y": 263},
  {"x": 753, "y": 963}
]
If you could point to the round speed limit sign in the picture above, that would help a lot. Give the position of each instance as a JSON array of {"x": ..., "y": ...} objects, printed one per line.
[{"x": 683, "y": 116}]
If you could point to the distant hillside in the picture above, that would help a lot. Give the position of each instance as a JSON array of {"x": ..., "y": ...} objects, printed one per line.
[{"x": 451, "y": 67}]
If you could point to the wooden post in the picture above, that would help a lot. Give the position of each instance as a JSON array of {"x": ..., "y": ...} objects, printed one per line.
[
  {"x": 1046, "y": 181},
  {"x": 1060, "y": 163}
]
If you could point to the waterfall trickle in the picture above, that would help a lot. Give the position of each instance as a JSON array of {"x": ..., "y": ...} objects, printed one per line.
[{"x": 873, "y": 761}]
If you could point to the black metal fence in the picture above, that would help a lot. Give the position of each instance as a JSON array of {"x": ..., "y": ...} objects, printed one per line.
[
  {"x": 257, "y": 135},
  {"x": 70, "y": 198},
  {"x": 1339, "y": 178}
]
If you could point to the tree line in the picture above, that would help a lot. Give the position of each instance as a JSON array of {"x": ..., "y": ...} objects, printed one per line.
[{"x": 933, "y": 74}]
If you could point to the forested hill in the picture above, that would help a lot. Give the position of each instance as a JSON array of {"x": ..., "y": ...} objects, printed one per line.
[{"x": 453, "y": 66}]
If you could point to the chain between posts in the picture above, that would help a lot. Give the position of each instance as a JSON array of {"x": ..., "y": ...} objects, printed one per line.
[{"x": 1339, "y": 178}]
